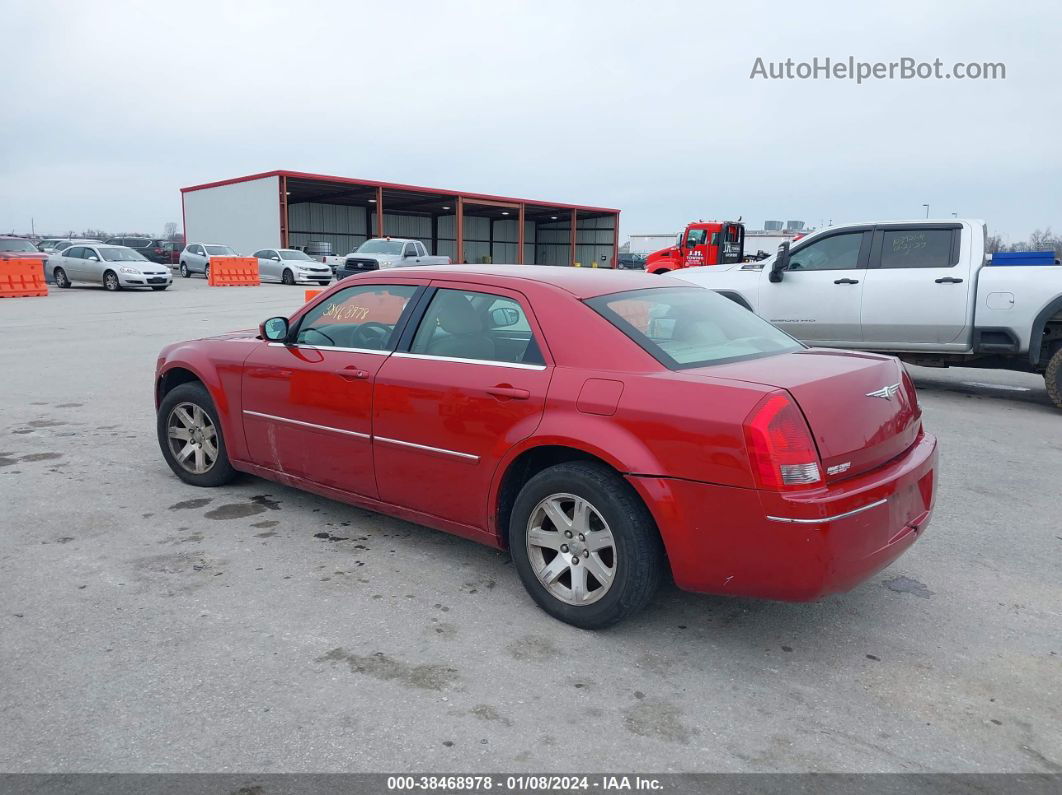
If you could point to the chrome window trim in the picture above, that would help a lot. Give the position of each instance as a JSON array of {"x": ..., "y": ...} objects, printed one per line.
[
  {"x": 489, "y": 362},
  {"x": 307, "y": 424},
  {"x": 828, "y": 518},
  {"x": 326, "y": 348},
  {"x": 400, "y": 443}
]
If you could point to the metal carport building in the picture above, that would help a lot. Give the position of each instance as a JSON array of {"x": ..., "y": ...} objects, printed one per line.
[{"x": 291, "y": 208}]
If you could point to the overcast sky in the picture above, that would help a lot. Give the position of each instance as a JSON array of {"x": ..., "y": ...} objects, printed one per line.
[{"x": 110, "y": 107}]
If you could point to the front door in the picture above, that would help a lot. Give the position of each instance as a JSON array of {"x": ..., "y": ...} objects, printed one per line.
[
  {"x": 307, "y": 404},
  {"x": 471, "y": 385},
  {"x": 818, "y": 299}
]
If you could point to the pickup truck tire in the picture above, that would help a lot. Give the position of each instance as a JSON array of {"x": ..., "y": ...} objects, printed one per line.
[{"x": 1053, "y": 378}]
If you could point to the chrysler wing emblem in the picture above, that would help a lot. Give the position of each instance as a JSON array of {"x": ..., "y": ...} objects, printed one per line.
[{"x": 886, "y": 392}]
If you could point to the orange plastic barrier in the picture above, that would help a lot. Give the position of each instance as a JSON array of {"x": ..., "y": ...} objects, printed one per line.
[
  {"x": 234, "y": 272},
  {"x": 20, "y": 278},
  {"x": 311, "y": 294}
]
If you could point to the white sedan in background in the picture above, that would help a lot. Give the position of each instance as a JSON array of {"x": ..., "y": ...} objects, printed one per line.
[
  {"x": 115, "y": 267},
  {"x": 196, "y": 257},
  {"x": 288, "y": 266}
]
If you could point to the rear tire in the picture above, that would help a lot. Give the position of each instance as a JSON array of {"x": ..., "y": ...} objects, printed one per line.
[
  {"x": 61, "y": 279},
  {"x": 206, "y": 272},
  {"x": 184, "y": 271},
  {"x": 592, "y": 571},
  {"x": 1053, "y": 378},
  {"x": 288, "y": 277},
  {"x": 187, "y": 416},
  {"x": 110, "y": 282}
]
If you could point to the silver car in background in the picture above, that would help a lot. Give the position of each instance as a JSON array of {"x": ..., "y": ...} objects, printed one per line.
[
  {"x": 115, "y": 267},
  {"x": 288, "y": 266},
  {"x": 196, "y": 257}
]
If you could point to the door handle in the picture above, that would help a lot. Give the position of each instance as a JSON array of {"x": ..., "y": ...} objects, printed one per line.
[
  {"x": 846, "y": 281},
  {"x": 949, "y": 280},
  {"x": 507, "y": 392},
  {"x": 353, "y": 373}
]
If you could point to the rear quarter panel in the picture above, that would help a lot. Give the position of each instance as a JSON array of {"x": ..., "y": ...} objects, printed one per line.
[{"x": 1015, "y": 297}]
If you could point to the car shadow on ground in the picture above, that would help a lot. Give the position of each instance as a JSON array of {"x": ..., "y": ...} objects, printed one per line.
[{"x": 975, "y": 384}]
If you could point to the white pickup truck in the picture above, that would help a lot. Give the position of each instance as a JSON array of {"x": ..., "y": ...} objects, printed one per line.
[
  {"x": 924, "y": 291},
  {"x": 387, "y": 252}
]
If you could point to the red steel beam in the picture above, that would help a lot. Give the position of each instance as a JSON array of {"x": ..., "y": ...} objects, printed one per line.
[
  {"x": 379, "y": 211},
  {"x": 520, "y": 236},
  {"x": 460, "y": 253},
  {"x": 283, "y": 211},
  {"x": 575, "y": 221},
  {"x": 615, "y": 240}
]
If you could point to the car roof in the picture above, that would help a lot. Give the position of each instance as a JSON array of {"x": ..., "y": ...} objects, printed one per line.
[{"x": 580, "y": 282}]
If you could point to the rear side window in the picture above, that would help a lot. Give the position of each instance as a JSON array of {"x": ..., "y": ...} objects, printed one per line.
[
  {"x": 685, "y": 327},
  {"x": 460, "y": 324},
  {"x": 137, "y": 242},
  {"x": 919, "y": 248}
]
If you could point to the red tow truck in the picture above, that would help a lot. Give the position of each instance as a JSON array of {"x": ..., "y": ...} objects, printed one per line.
[{"x": 701, "y": 243}]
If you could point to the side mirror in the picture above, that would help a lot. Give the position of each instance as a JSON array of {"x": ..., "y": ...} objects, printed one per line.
[
  {"x": 781, "y": 262},
  {"x": 275, "y": 329},
  {"x": 504, "y": 316},
  {"x": 94, "y": 259}
]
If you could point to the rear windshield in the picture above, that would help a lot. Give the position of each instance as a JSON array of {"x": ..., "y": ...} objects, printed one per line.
[
  {"x": 221, "y": 251},
  {"x": 121, "y": 255},
  {"x": 685, "y": 327},
  {"x": 14, "y": 244}
]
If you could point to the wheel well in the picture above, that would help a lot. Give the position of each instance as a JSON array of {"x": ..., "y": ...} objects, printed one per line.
[
  {"x": 524, "y": 467},
  {"x": 174, "y": 378}
]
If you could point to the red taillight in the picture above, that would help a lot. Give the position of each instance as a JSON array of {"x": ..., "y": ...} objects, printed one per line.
[
  {"x": 781, "y": 449},
  {"x": 909, "y": 388}
]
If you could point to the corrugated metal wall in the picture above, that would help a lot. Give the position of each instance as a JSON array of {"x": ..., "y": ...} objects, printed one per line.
[
  {"x": 347, "y": 227},
  {"x": 344, "y": 227}
]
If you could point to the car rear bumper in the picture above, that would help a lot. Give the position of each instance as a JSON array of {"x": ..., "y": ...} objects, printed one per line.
[{"x": 744, "y": 542}]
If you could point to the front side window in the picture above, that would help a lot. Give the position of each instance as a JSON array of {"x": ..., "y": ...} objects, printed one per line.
[
  {"x": 357, "y": 317},
  {"x": 918, "y": 248},
  {"x": 411, "y": 250},
  {"x": 685, "y": 327},
  {"x": 472, "y": 325},
  {"x": 834, "y": 253}
]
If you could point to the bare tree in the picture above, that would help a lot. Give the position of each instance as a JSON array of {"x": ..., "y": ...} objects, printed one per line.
[{"x": 169, "y": 231}]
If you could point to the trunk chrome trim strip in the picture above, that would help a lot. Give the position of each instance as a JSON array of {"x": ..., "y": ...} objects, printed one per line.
[
  {"x": 488, "y": 362},
  {"x": 828, "y": 518},
  {"x": 307, "y": 424},
  {"x": 400, "y": 443}
]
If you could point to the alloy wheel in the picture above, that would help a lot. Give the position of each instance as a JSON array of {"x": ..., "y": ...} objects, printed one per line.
[
  {"x": 192, "y": 437},
  {"x": 571, "y": 549},
  {"x": 110, "y": 281},
  {"x": 60, "y": 278}
]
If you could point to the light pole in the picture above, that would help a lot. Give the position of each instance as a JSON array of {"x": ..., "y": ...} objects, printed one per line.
[{"x": 927, "y": 209}]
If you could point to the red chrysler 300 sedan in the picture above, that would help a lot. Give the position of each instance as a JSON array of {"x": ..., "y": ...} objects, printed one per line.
[{"x": 601, "y": 425}]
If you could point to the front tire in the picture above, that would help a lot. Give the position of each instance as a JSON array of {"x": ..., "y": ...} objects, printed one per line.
[
  {"x": 1053, "y": 378},
  {"x": 110, "y": 282},
  {"x": 61, "y": 279},
  {"x": 190, "y": 437},
  {"x": 288, "y": 277},
  {"x": 159, "y": 287},
  {"x": 184, "y": 271},
  {"x": 584, "y": 544}
]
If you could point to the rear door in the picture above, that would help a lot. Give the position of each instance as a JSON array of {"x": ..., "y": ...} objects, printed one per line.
[
  {"x": 464, "y": 388},
  {"x": 917, "y": 294},
  {"x": 73, "y": 262},
  {"x": 819, "y": 297}
]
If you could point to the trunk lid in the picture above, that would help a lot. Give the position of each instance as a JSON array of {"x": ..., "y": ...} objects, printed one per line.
[{"x": 859, "y": 411}]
